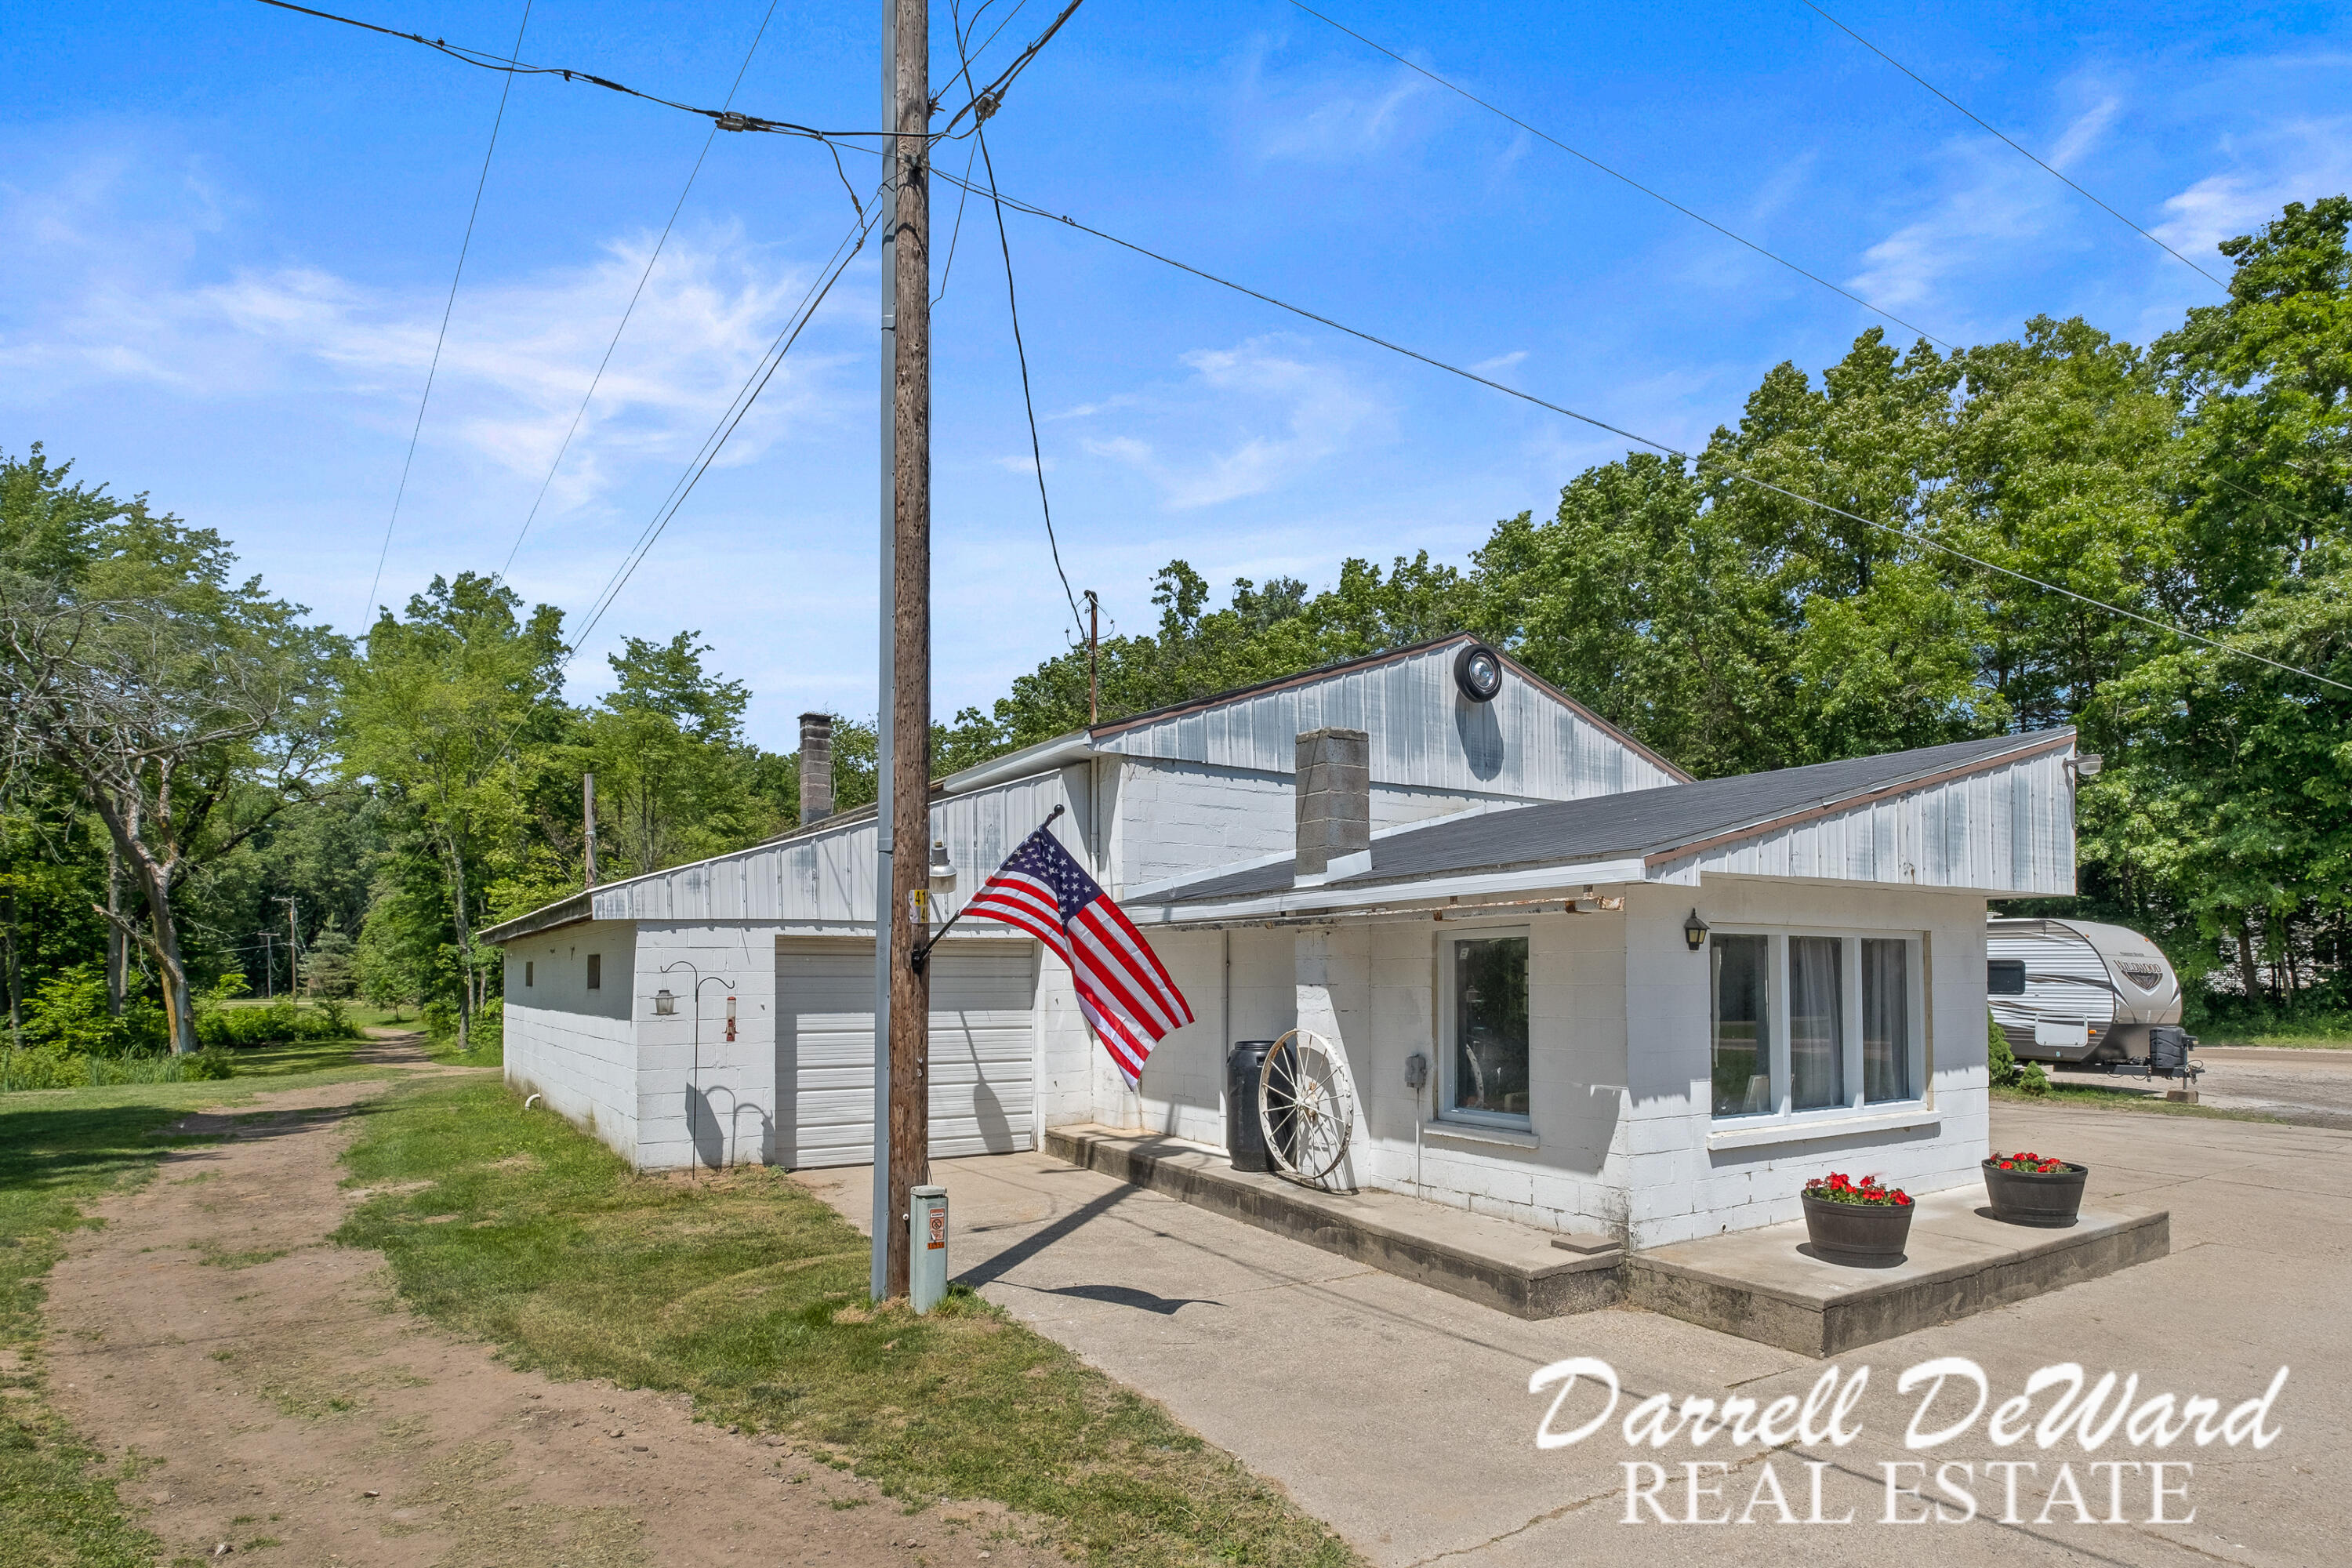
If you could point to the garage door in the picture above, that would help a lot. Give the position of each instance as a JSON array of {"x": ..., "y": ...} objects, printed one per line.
[{"x": 981, "y": 1095}]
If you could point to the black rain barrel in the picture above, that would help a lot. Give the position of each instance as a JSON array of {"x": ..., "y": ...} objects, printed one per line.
[{"x": 1244, "y": 1133}]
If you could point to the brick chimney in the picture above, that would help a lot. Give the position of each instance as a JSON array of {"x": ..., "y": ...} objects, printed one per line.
[
  {"x": 1335, "y": 803},
  {"x": 817, "y": 768}
]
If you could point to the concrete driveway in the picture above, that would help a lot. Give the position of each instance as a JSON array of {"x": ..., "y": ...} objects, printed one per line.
[{"x": 1403, "y": 1416}]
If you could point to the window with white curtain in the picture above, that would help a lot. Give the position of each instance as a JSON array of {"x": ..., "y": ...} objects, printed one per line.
[
  {"x": 1815, "y": 1021},
  {"x": 1886, "y": 1020}
]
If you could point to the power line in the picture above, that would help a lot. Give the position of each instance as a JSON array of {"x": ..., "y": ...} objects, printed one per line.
[
  {"x": 597, "y": 380},
  {"x": 1623, "y": 178},
  {"x": 367, "y": 610},
  {"x": 757, "y": 383},
  {"x": 2045, "y": 168},
  {"x": 1021, "y": 352},
  {"x": 990, "y": 99},
  {"x": 725, "y": 119},
  {"x": 1904, "y": 533}
]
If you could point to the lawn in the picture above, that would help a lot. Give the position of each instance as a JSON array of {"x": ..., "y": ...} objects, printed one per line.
[
  {"x": 749, "y": 1294},
  {"x": 61, "y": 1151},
  {"x": 2096, "y": 1098}
]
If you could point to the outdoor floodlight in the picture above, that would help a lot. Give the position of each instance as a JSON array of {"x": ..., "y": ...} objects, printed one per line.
[
  {"x": 941, "y": 865},
  {"x": 665, "y": 1005},
  {"x": 1479, "y": 671},
  {"x": 2086, "y": 764},
  {"x": 1695, "y": 931}
]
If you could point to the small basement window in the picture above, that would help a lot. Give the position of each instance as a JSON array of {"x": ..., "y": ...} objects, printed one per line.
[
  {"x": 595, "y": 970},
  {"x": 2005, "y": 976},
  {"x": 525, "y": 973}
]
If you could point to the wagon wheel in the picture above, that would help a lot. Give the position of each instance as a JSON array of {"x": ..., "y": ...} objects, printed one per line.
[{"x": 1305, "y": 1105}]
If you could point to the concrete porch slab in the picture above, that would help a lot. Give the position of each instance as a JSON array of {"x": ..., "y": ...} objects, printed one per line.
[
  {"x": 1765, "y": 1285},
  {"x": 1514, "y": 1268}
]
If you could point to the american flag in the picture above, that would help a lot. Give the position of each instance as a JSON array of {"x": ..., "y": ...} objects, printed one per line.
[{"x": 1123, "y": 988}]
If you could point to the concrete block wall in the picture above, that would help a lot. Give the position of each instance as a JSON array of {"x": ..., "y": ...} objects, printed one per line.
[
  {"x": 577, "y": 1047},
  {"x": 1566, "y": 1179},
  {"x": 1678, "y": 1188},
  {"x": 1182, "y": 1090},
  {"x": 702, "y": 1100}
]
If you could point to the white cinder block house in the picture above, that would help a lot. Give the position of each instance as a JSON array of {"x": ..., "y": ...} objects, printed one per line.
[{"x": 1644, "y": 1005}]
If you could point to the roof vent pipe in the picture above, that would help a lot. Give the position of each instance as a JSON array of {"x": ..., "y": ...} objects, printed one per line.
[
  {"x": 817, "y": 768},
  {"x": 1335, "y": 803}
]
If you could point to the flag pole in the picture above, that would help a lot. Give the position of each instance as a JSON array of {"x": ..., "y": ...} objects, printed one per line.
[{"x": 922, "y": 953}]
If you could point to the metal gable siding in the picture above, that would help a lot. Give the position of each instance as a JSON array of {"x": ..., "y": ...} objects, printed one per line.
[{"x": 1537, "y": 749}]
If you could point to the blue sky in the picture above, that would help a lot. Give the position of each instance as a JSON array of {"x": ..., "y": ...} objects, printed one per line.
[{"x": 226, "y": 235}]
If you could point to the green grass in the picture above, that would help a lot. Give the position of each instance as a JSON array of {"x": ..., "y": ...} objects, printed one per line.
[
  {"x": 2094, "y": 1097},
  {"x": 749, "y": 1294},
  {"x": 60, "y": 1151}
]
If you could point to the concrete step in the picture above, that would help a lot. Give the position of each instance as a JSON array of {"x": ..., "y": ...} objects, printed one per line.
[
  {"x": 1766, "y": 1285},
  {"x": 1516, "y": 1269}
]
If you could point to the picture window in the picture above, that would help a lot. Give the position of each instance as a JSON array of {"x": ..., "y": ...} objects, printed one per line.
[{"x": 1808, "y": 1022}]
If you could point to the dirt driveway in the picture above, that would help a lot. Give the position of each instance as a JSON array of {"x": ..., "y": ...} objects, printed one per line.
[{"x": 274, "y": 1398}]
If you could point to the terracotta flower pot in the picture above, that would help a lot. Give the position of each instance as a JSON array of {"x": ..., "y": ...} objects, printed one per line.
[
  {"x": 1863, "y": 1234},
  {"x": 2029, "y": 1197}
]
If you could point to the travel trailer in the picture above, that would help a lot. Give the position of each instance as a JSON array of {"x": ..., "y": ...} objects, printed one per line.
[{"x": 2077, "y": 992}]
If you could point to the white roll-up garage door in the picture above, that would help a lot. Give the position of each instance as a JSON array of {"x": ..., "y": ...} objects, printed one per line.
[{"x": 983, "y": 1094}]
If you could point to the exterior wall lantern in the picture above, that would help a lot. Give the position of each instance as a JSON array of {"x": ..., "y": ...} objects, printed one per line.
[
  {"x": 665, "y": 1005},
  {"x": 2086, "y": 764},
  {"x": 943, "y": 863},
  {"x": 1695, "y": 931}
]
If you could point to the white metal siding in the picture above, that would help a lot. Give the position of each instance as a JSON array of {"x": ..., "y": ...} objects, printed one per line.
[
  {"x": 982, "y": 1080},
  {"x": 827, "y": 877},
  {"x": 2066, "y": 983},
  {"x": 2007, "y": 830},
  {"x": 1425, "y": 734}
]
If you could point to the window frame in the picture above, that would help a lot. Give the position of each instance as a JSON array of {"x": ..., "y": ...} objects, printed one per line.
[
  {"x": 1446, "y": 1078},
  {"x": 527, "y": 973},
  {"x": 1852, "y": 1101},
  {"x": 595, "y": 971}
]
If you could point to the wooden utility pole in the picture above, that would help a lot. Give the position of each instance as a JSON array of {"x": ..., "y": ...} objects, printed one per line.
[
  {"x": 293, "y": 951},
  {"x": 588, "y": 825},
  {"x": 1094, "y": 641},
  {"x": 909, "y": 1153}
]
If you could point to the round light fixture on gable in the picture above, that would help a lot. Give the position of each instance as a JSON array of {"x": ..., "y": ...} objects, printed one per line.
[{"x": 1479, "y": 671}]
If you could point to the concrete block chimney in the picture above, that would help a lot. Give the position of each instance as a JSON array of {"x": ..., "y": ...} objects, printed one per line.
[
  {"x": 817, "y": 768},
  {"x": 1335, "y": 803}
]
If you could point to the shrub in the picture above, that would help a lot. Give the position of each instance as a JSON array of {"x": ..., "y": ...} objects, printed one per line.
[
  {"x": 68, "y": 1014},
  {"x": 2000, "y": 1062},
  {"x": 282, "y": 1022}
]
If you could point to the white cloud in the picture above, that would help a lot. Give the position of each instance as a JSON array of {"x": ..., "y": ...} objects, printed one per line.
[
  {"x": 1996, "y": 202},
  {"x": 1255, "y": 417},
  {"x": 2297, "y": 161},
  {"x": 1322, "y": 116},
  {"x": 105, "y": 297}
]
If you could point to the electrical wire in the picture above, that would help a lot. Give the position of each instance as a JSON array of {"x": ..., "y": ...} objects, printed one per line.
[
  {"x": 726, "y": 118},
  {"x": 597, "y": 380},
  {"x": 761, "y": 374},
  {"x": 384, "y": 552},
  {"x": 1623, "y": 178},
  {"x": 1021, "y": 351},
  {"x": 990, "y": 99},
  {"x": 1508, "y": 391},
  {"x": 2045, "y": 168}
]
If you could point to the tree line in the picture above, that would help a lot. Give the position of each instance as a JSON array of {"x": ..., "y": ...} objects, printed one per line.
[{"x": 2048, "y": 515}]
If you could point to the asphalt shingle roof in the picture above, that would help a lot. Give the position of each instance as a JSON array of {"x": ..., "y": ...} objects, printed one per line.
[{"x": 1639, "y": 822}]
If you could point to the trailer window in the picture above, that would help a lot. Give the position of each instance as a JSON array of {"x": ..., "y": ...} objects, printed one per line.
[{"x": 2005, "y": 976}]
